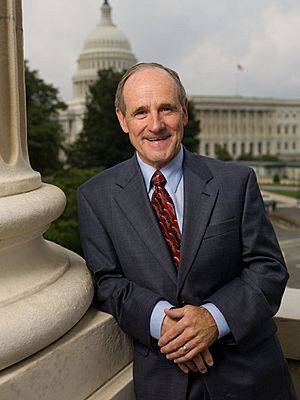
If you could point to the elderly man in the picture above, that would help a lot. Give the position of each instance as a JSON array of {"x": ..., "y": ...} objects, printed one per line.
[{"x": 183, "y": 256}]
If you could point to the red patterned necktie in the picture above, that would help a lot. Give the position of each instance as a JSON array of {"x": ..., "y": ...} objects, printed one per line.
[{"x": 166, "y": 215}]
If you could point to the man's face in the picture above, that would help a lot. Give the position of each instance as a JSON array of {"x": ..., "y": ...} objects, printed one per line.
[{"x": 154, "y": 117}]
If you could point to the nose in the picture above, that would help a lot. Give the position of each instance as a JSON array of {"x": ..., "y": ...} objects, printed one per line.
[{"x": 155, "y": 122}]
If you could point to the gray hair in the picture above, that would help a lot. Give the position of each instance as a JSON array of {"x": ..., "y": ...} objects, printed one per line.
[{"x": 119, "y": 99}]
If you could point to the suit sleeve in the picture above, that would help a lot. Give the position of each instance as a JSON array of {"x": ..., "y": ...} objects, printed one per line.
[
  {"x": 130, "y": 303},
  {"x": 249, "y": 301}
]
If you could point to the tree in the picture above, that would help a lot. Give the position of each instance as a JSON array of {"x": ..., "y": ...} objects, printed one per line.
[
  {"x": 250, "y": 157},
  {"x": 222, "y": 153},
  {"x": 64, "y": 230},
  {"x": 192, "y": 130},
  {"x": 45, "y": 136},
  {"x": 102, "y": 141}
]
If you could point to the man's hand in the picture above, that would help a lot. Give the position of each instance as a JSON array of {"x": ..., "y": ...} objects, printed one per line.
[
  {"x": 169, "y": 323},
  {"x": 188, "y": 338}
]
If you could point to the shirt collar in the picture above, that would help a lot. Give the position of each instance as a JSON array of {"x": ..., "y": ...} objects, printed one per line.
[{"x": 172, "y": 171}]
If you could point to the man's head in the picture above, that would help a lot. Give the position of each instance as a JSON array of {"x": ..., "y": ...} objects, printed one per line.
[{"x": 151, "y": 106}]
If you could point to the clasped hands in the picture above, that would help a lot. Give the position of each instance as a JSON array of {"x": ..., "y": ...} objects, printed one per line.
[{"x": 186, "y": 335}]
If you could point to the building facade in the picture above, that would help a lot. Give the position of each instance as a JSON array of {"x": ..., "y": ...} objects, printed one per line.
[{"x": 241, "y": 125}]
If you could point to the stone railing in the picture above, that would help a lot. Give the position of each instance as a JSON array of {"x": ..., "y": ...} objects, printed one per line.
[{"x": 288, "y": 322}]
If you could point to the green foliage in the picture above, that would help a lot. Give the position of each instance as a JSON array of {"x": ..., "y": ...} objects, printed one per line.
[
  {"x": 191, "y": 131},
  {"x": 64, "y": 230},
  {"x": 102, "y": 141},
  {"x": 222, "y": 153},
  {"x": 276, "y": 179},
  {"x": 250, "y": 157},
  {"x": 44, "y": 131}
]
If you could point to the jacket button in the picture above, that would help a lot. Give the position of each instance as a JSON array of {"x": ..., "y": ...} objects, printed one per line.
[{"x": 182, "y": 303}]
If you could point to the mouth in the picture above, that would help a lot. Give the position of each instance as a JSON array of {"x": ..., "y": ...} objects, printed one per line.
[{"x": 158, "y": 139}]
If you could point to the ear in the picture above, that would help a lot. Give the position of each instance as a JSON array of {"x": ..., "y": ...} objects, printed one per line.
[
  {"x": 122, "y": 120},
  {"x": 185, "y": 116}
]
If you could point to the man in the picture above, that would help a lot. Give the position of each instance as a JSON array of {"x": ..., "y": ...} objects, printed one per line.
[{"x": 183, "y": 256}]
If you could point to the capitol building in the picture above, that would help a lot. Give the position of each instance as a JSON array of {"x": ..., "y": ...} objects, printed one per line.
[
  {"x": 105, "y": 47},
  {"x": 242, "y": 125}
]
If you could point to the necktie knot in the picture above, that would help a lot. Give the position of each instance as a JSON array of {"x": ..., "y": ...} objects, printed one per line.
[{"x": 158, "y": 179}]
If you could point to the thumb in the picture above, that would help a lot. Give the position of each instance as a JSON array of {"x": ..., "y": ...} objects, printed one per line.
[{"x": 175, "y": 313}]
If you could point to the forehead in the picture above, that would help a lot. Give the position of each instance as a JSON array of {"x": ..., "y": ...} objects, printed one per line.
[{"x": 150, "y": 83}]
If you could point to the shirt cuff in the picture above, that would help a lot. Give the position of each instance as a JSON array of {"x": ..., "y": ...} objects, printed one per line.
[
  {"x": 157, "y": 317},
  {"x": 219, "y": 319}
]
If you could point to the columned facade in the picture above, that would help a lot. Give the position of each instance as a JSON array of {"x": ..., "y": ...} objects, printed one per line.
[{"x": 249, "y": 125}]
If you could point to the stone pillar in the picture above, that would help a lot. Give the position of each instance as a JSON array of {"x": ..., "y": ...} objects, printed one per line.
[
  {"x": 16, "y": 176},
  {"x": 45, "y": 290}
]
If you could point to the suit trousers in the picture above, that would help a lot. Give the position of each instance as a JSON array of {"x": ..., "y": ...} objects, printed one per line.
[{"x": 196, "y": 387}]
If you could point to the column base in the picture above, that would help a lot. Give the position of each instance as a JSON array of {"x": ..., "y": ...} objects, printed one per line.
[{"x": 92, "y": 361}]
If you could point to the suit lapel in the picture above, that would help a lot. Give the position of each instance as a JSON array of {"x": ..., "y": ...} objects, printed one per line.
[
  {"x": 199, "y": 200},
  {"x": 133, "y": 200}
]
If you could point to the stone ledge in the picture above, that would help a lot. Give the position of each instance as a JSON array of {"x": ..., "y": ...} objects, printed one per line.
[
  {"x": 118, "y": 388},
  {"x": 74, "y": 367},
  {"x": 288, "y": 323}
]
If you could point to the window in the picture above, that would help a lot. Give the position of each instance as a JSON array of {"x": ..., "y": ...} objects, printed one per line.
[
  {"x": 259, "y": 147},
  {"x": 234, "y": 148},
  {"x": 207, "y": 149}
]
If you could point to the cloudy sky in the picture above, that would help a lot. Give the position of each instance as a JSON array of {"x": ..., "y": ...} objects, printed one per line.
[{"x": 203, "y": 40}]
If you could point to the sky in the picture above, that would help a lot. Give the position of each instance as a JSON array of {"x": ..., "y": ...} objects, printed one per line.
[{"x": 203, "y": 40}]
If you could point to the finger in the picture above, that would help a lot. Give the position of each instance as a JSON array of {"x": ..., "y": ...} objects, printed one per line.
[
  {"x": 175, "y": 313},
  {"x": 170, "y": 335},
  {"x": 200, "y": 364},
  {"x": 207, "y": 357},
  {"x": 179, "y": 344},
  {"x": 180, "y": 353},
  {"x": 184, "y": 368},
  {"x": 191, "y": 365},
  {"x": 190, "y": 350}
]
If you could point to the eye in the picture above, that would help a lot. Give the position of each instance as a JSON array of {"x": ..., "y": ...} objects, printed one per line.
[
  {"x": 140, "y": 113},
  {"x": 167, "y": 108}
]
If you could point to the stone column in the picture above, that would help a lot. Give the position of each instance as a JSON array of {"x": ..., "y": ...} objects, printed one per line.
[
  {"x": 16, "y": 176},
  {"x": 45, "y": 289}
]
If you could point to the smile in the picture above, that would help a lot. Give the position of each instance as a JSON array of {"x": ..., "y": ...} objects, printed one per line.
[{"x": 157, "y": 139}]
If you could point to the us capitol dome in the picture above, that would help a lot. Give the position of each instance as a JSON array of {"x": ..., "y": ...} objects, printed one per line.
[{"x": 105, "y": 47}]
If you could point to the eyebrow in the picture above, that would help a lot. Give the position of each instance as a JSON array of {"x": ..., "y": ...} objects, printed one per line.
[
  {"x": 138, "y": 110},
  {"x": 168, "y": 105}
]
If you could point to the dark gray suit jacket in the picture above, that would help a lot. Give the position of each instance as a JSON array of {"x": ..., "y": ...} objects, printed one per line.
[{"x": 229, "y": 257}]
